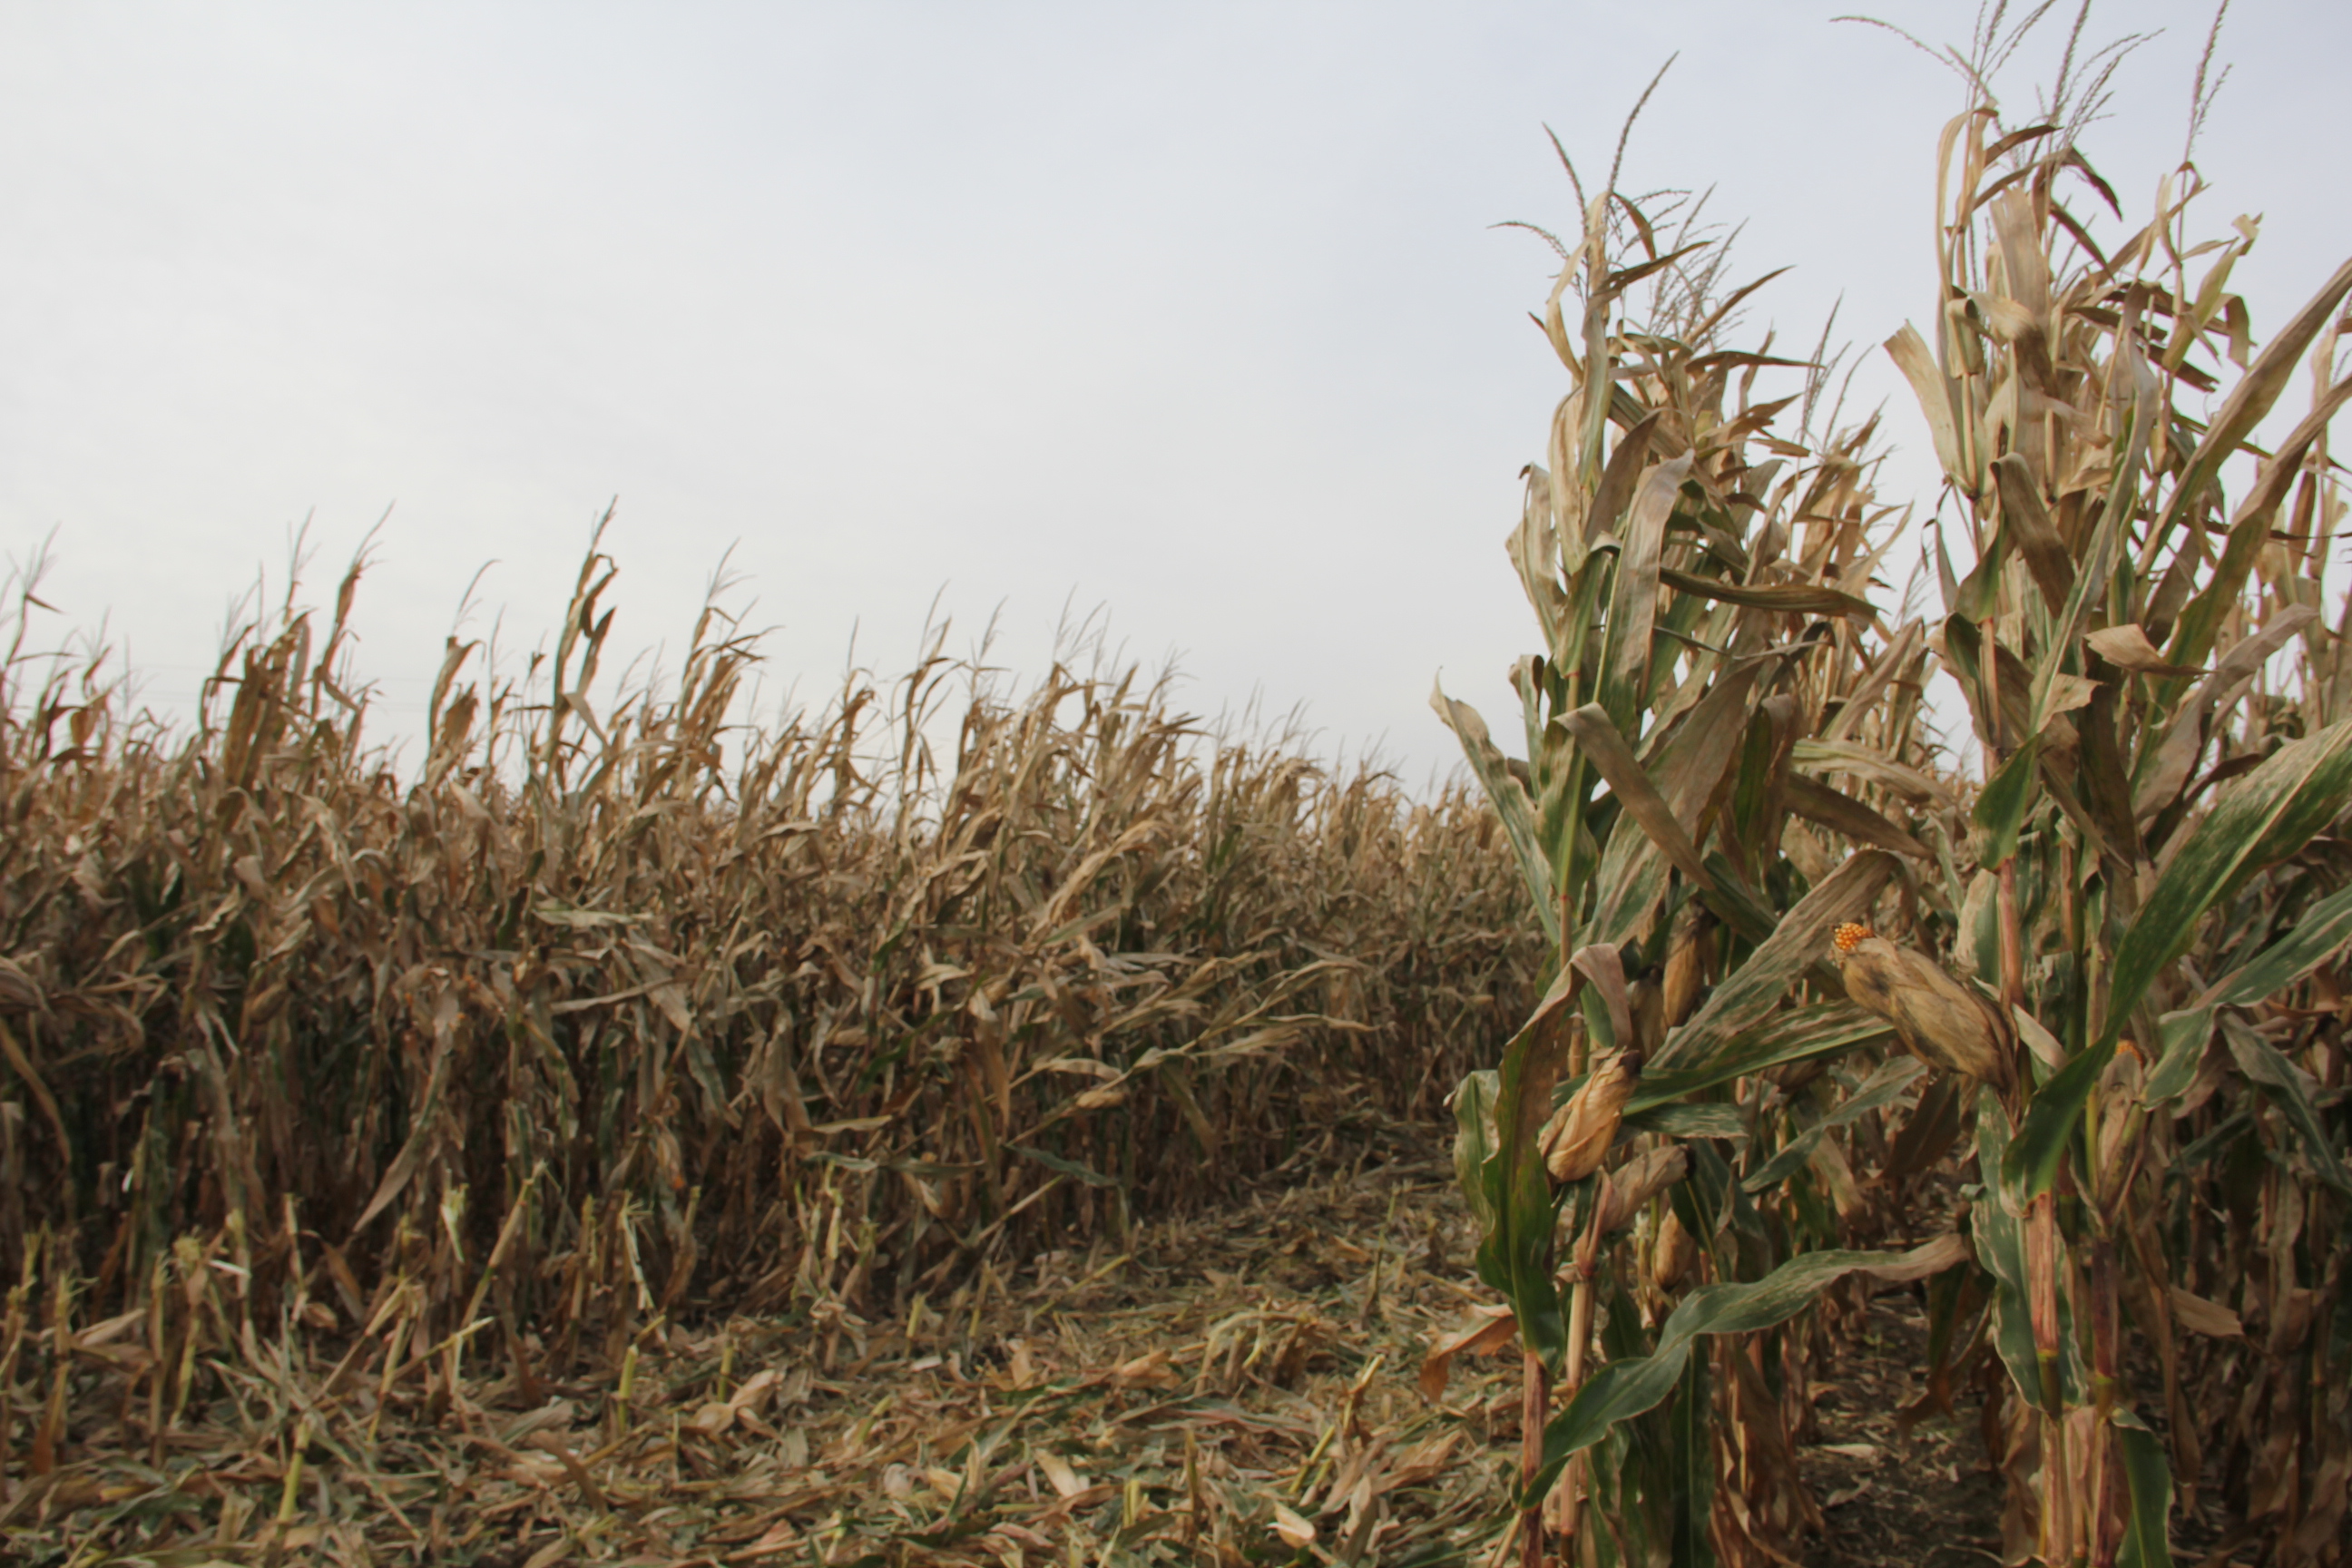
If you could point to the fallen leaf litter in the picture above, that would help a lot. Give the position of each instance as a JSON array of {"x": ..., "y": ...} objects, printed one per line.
[{"x": 1240, "y": 1385}]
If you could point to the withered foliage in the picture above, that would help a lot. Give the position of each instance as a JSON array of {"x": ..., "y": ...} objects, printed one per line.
[{"x": 604, "y": 1021}]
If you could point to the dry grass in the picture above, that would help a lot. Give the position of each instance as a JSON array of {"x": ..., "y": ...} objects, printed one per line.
[{"x": 1237, "y": 1381}]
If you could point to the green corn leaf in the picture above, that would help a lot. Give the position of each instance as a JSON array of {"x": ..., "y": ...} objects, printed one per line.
[
  {"x": 1624, "y": 1389},
  {"x": 1687, "y": 769},
  {"x": 1086, "y": 1173},
  {"x": 2051, "y": 1120},
  {"x": 1631, "y": 879},
  {"x": 1515, "y": 1255},
  {"x": 2093, "y": 580},
  {"x": 2249, "y": 529},
  {"x": 2260, "y": 819},
  {"x": 1947, "y": 583},
  {"x": 1883, "y": 1085},
  {"x": 1604, "y": 744},
  {"x": 1735, "y": 902},
  {"x": 2181, "y": 1038},
  {"x": 2146, "y": 1543},
  {"x": 1976, "y": 599},
  {"x": 2168, "y": 754},
  {"x": 1535, "y": 554},
  {"x": 2225, "y": 1132},
  {"x": 2290, "y": 1090},
  {"x": 1509, "y": 798},
  {"x": 1474, "y": 1152},
  {"x": 1688, "y": 1120},
  {"x": 1825, "y": 1028},
  {"x": 2006, "y": 800},
  {"x": 2317, "y": 936},
  {"x": 1563, "y": 786},
  {"x": 1633, "y": 601},
  {"x": 1750, "y": 993},
  {"x": 2243, "y": 409},
  {"x": 1693, "y": 1493},
  {"x": 2001, "y": 1248},
  {"x": 1964, "y": 644}
]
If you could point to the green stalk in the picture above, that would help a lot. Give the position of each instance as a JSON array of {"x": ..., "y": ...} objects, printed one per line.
[
  {"x": 1535, "y": 1404},
  {"x": 2042, "y": 1219}
]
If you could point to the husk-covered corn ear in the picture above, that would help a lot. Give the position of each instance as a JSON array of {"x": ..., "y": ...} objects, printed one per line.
[
  {"x": 1673, "y": 1255},
  {"x": 1579, "y": 1132},
  {"x": 1640, "y": 1179},
  {"x": 1942, "y": 1022}
]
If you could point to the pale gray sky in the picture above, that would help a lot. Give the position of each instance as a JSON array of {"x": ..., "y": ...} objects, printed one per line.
[{"x": 1191, "y": 313}]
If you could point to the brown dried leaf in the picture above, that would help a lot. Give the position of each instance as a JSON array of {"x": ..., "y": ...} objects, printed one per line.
[
  {"x": 1490, "y": 1330},
  {"x": 1296, "y": 1533},
  {"x": 2199, "y": 1316},
  {"x": 2126, "y": 647}
]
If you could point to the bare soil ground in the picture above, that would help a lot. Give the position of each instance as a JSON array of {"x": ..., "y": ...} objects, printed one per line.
[
  {"x": 1896, "y": 1498},
  {"x": 1240, "y": 1386}
]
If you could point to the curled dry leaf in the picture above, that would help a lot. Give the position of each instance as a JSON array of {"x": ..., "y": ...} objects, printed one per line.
[
  {"x": 1942, "y": 1022},
  {"x": 1579, "y": 1132},
  {"x": 754, "y": 1392},
  {"x": 2126, "y": 647},
  {"x": 1489, "y": 1331},
  {"x": 1296, "y": 1533},
  {"x": 1923, "y": 1261},
  {"x": 2038, "y": 1040},
  {"x": 1066, "y": 1481},
  {"x": 1151, "y": 1370}
]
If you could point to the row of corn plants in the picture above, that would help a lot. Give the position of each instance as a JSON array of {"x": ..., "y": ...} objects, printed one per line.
[
  {"x": 2074, "y": 1038},
  {"x": 607, "y": 1009}
]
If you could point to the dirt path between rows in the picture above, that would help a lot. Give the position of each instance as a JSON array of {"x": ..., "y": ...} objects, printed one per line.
[{"x": 1241, "y": 1387}]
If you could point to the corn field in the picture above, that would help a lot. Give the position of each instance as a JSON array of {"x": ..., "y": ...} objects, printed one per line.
[
  {"x": 633, "y": 1133},
  {"x": 609, "y": 1016}
]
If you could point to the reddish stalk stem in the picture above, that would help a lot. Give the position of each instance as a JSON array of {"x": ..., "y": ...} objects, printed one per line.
[
  {"x": 1535, "y": 1400},
  {"x": 2012, "y": 940},
  {"x": 2103, "y": 1330}
]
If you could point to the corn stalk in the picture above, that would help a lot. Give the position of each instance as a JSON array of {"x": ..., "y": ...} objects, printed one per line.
[
  {"x": 1653, "y": 1151},
  {"x": 2146, "y": 899},
  {"x": 2149, "y": 837}
]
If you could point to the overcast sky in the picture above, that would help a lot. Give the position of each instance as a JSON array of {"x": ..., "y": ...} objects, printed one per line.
[{"x": 1191, "y": 313}]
